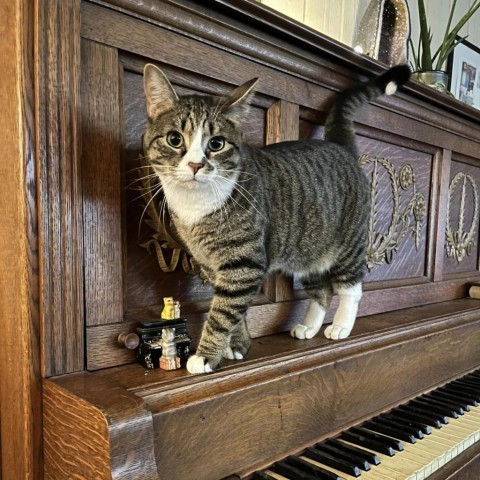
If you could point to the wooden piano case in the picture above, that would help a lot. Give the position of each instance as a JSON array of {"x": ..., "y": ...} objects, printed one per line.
[{"x": 104, "y": 267}]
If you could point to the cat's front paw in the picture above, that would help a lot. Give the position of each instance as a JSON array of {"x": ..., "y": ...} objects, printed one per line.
[
  {"x": 334, "y": 332},
  {"x": 231, "y": 354},
  {"x": 197, "y": 364},
  {"x": 302, "y": 332}
]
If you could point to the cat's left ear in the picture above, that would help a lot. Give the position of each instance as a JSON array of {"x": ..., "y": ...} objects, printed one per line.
[
  {"x": 159, "y": 92},
  {"x": 236, "y": 103}
]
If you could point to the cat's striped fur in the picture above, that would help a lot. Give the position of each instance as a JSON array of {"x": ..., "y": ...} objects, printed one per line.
[{"x": 297, "y": 207}]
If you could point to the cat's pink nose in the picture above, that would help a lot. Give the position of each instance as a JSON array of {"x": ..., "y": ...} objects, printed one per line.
[{"x": 195, "y": 167}]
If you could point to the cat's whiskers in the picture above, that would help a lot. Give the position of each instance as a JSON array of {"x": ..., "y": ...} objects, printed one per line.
[
  {"x": 223, "y": 204},
  {"x": 238, "y": 189},
  {"x": 146, "y": 207},
  {"x": 149, "y": 191},
  {"x": 239, "y": 172}
]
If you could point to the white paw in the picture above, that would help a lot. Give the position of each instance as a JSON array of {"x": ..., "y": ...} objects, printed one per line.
[
  {"x": 197, "y": 364},
  {"x": 302, "y": 332},
  {"x": 232, "y": 354},
  {"x": 334, "y": 332},
  {"x": 228, "y": 353}
]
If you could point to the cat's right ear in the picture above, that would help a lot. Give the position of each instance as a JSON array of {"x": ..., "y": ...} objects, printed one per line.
[{"x": 159, "y": 92}]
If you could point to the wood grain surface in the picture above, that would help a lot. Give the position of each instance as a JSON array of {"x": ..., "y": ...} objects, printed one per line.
[
  {"x": 96, "y": 431},
  {"x": 101, "y": 184},
  {"x": 20, "y": 351},
  {"x": 59, "y": 185},
  {"x": 282, "y": 124}
]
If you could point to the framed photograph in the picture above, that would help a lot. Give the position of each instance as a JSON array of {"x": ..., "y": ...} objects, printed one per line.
[{"x": 464, "y": 73}]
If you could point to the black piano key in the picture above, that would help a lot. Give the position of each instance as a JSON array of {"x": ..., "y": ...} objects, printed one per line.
[
  {"x": 261, "y": 476},
  {"x": 368, "y": 443},
  {"x": 348, "y": 457},
  {"x": 455, "y": 405},
  {"x": 444, "y": 392},
  {"x": 450, "y": 398},
  {"x": 462, "y": 388},
  {"x": 392, "y": 442},
  {"x": 419, "y": 420},
  {"x": 395, "y": 432},
  {"x": 436, "y": 420},
  {"x": 474, "y": 384},
  {"x": 310, "y": 468},
  {"x": 475, "y": 374},
  {"x": 331, "y": 461},
  {"x": 474, "y": 377},
  {"x": 474, "y": 387},
  {"x": 369, "y": 457},
  {"x": 425, "y": 410},
  {"x": 435, "y": 408},
  {"x": 292, "y": 473},
  {"x": 408, "y": 428}
]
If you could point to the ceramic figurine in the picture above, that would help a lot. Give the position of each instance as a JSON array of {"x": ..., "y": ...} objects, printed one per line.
[
  {"x": 171, "y": 310},
  {"x": 169, "y": 359},
  {"x": 151, "y": 351}
]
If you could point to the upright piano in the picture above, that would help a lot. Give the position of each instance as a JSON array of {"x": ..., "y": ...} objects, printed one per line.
[{"x": 108, "y": 258}]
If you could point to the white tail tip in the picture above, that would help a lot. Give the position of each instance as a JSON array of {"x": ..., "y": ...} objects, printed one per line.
[{"x": 391, "y": 88}]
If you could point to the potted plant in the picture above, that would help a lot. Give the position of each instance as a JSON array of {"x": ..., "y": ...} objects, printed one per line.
[{"x": 427, "y": 65}]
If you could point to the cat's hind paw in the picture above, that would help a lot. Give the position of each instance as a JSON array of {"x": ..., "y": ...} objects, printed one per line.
[
  {"x": 302, "y": 332},
  {"x": 197, "y": 364},
  {"x": 334, "y": 332}
]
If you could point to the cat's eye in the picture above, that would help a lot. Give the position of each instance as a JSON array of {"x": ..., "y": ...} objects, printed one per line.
[
  {"x": 216, "y": 143},
  {"x": 175, "y": 139}
]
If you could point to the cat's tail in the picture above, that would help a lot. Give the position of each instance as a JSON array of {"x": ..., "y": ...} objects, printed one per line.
[{"x": 339, "y": 124}]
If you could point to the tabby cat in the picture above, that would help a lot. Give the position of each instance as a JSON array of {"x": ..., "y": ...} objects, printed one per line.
[{"x": 296, "y": 207}]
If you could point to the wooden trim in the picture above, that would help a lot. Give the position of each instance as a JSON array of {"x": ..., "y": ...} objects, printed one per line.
[
  {"x": 282, "y": 125},
  {"x": 20, "y": 388},
  {"x": 102, "y": 213},
  {"x": 439, "y": 218},
  {"x": 60, "y": 196}
]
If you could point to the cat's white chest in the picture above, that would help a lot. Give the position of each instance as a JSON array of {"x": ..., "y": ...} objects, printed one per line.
[{"x": 191, "y": 205}]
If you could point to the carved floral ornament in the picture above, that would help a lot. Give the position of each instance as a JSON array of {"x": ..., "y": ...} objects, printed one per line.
[
  {"x": 382, "y": 245},
  {"x": 459, "y": 243},
  {"x": 169, "y": 250}
]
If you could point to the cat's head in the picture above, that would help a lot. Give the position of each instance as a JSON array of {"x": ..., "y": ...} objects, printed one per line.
[{"x": 193, "y": 140}]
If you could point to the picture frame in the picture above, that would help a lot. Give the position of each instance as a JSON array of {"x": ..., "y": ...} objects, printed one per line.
[{"x": 464, "y": 73}]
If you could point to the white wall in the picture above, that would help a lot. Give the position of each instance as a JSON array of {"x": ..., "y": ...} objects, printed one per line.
[{"x": 339, "y": 18}]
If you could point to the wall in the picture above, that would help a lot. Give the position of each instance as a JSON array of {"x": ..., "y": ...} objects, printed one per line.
[{"x": 339, "y": 18}]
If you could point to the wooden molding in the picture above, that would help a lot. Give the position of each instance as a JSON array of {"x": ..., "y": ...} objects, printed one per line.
[
  {"x": 20, "y": 364},
  {"x": 60, "y": 195}
]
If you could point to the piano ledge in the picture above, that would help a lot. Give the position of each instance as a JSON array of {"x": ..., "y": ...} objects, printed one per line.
[{"x": 273, "y": 351}]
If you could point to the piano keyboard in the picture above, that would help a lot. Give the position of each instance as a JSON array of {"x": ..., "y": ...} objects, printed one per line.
[{"x": 409, "y": 442}]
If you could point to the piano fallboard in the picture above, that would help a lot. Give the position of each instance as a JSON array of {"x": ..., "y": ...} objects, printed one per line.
[{"x": 286, "y": 396}]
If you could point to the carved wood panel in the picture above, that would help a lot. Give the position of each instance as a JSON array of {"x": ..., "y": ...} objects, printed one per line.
[
  {"x": 462, "y": 219},
  {"x": 400, "y": 179},
  {"x": 400, "y": 195}
]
